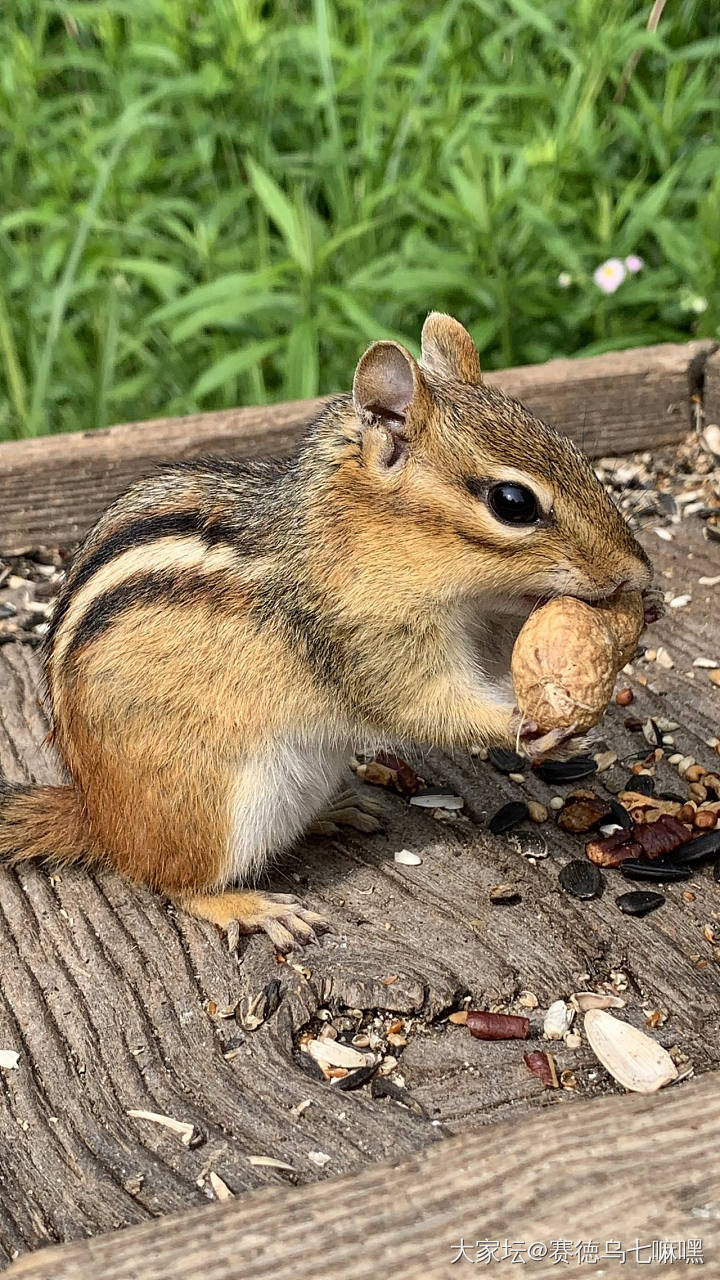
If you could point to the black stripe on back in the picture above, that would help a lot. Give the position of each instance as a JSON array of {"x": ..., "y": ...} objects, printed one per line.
[
  {"x": 181, "y": 587},
  {"x": 138, "y": 533}
]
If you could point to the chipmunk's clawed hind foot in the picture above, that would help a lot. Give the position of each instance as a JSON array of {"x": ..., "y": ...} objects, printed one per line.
[
  {"x": 653, "y": 604},
  {"x": 279, "y": 915},
  {"x": 349, "y": 809}
]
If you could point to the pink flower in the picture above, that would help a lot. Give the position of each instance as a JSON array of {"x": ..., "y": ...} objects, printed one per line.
[
  {"x": 610, "y": 275},
  {"x": 634, "y": 264}
]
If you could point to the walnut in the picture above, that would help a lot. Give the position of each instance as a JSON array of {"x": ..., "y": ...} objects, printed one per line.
[{"x": 567, "y": 656}]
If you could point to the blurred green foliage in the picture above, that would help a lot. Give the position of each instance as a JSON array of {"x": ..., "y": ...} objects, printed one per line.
[{"x": 222, "y": 201}]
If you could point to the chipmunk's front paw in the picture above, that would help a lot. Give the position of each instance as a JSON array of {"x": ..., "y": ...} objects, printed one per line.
[
  {"x": 349, "y": 809},
  {"x": 279, "y": 915},
  {"x": 653, "y": 604}
]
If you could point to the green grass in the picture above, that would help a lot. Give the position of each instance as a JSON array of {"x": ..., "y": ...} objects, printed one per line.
[{"x": 215, "y": 203}]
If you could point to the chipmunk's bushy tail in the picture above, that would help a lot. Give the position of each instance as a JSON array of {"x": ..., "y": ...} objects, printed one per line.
[{"x": 42, "y": 822}]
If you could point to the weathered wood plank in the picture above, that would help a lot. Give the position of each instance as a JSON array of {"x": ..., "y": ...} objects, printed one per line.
[
  {"x": 630, "y": 1170},
  {"x": 106, "y": 992},
  {"x": 55, "y": 487}
]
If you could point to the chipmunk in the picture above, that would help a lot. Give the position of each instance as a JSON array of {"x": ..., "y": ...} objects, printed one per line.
[{"x": 230, "y": 629}]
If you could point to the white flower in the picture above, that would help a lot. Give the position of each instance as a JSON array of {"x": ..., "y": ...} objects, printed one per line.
[
  {"x": 564, "y": 280},
  {"x": 610, "y": 275}
]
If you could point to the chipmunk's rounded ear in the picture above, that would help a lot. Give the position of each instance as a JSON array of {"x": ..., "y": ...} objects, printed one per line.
[
  {"x": 387, "y": 381},
  {"x": 448, "y": 351}
]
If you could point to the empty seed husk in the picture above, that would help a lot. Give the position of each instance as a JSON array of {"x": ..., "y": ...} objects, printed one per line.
[
  {"x": 584, "y": 1000},
  {"x": 407, "y": 858},
  {"x": 542, "y": 1065},
  {"x": 497, "y": 1026},
  {"x": 437, "y": 800},
  {"x": 509, "y": 815},
  {"x": 504, "y": 893},
  {"x": 581, "y": 879},
  {"x": 631, "y": 1057},
  {"x": 641, "y": 783},
  {"x": 557, "y": 1020},
  {"x": 529, "y": 844},
  {"x": 639, "y": 903}
]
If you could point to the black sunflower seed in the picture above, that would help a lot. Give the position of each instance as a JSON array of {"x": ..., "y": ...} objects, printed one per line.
[
  {"x": 581, "y": 879},
  {"x": 638, "y": 903},
  {"x": 641, "y": 783},
  {"x": 700, "y": 849},
  {"x": 558, "y": 771},
  {"x": 506, "y": 761},
  {"x": 619, "y": 813},
  {"x": 672, "y": 795},
  {"x": 634, "y": 869},
  {"x": 716, "y": 872},
  {"x": 711, "y": 533},
  {"x": 355, "y": 1079},
  {"x": 508, "y": 816}
]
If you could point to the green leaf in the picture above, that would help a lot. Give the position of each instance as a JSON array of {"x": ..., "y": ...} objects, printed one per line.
[{"x": 233, "y": 364}]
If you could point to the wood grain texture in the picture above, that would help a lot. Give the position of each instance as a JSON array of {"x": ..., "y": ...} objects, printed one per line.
[
  {"x": 55, "y": 487},
  {"x": 106, "y": 992},
  {"x": 631, "y": 1169}
]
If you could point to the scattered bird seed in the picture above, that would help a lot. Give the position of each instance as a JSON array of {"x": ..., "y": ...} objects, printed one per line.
[
  {"x": 509, "y": 815},
  {"x": 336, "y": 1054},
  {"x": 186, "y": 1132},
  {"x": 639, "y": 903},
  {"x": 584, "y": 1000},
  {"x": 709, "y": 582},
  {"x": 581, "y": 879},
  {"x": 437, "y": 800},
  {"x": 542, "y": 1065},
  {"x": 221, "y": 1189},
  {"x": 705, "y": 662},
  {"x": 558, "y": 1020},
  {"x": 529, "y": 844},
  {"x": 517, "y": 777},
  {"x": 320, "y": 1158},
  {"x": 665, "y": 534},
  {"x": 605, "y": 760},
  {"x": 558, "y": 771},
  {"x": 497, "y": 1026},
  {"x": 700, "y": 849},
  {"x": 506, "y": 761},
  {"x": 641, "y": 783},
  {"x": 679, "y": 602},
  {"x": 9, "y": 1059},
  {"x": 631, "y": 1057},
  {"x": 636, "y": 869},
  {"x": 407, "y": 858},
  {"x": 505, "y": 893},
  {"x": 537, "y": 812}
]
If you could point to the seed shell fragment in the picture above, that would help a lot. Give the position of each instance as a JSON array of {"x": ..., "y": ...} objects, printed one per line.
[{"x": 631, "y": 1057}]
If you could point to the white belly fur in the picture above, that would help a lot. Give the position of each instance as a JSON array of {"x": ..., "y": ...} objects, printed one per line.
[{"x": 277, "y": 795}]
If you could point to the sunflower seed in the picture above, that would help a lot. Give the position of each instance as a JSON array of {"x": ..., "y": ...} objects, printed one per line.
[
  {"x": 9, "y": 1059},
  {"x": 638, "y": 903},
  {"x": 558, "y": 771},
  {"x": 698, "y": 850},
  {"x": 635, "y": 869},
  {"x": 557, "y": 1020},
  {"x": 336, "y": 1054},
  {"x": 584, "y": 1000},
  {"x": 581, "y": 879},
  {"x": 506, "y": 761},
  {"x": 508, "y": 816}
]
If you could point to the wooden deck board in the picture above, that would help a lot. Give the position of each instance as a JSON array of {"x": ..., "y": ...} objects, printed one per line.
[
  {"x": 106, "y": 992},
  {"x": 55, "y": 487}
]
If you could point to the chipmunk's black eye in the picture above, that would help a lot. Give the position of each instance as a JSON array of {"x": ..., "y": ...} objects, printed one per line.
[{"x": 513, "y": 503}]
